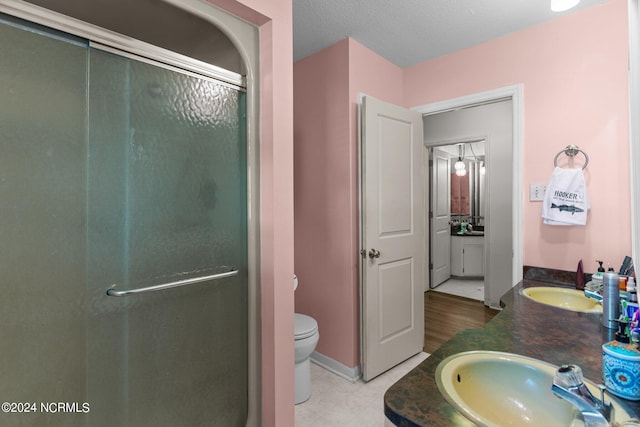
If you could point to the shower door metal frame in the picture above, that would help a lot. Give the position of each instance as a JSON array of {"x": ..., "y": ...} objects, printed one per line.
[
  {"x": 245, "y": 35},
  {"x": 93, "y": 33}
]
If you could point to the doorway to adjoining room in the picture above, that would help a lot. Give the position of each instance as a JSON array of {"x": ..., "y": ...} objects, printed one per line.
[
  {"x": 454, "y": 132},
  {"x": 457, "y": 204}
]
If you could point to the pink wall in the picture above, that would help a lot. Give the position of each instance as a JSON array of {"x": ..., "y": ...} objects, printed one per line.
[
  {"x": 274, "y": 19},
  {"x": 322, "y": 166},
  {"x": 588, "y": 106},
  {"x": 574, "y": 74},
  {"x": 326, "y": 90},
  {"x": 573, "y": 71}
]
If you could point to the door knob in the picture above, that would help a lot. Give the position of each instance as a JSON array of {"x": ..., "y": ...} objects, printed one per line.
[{"x": 374, "y": 254}]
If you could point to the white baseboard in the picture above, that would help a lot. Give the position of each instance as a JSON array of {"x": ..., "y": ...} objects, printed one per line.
[{"x": 331, "y": 365}]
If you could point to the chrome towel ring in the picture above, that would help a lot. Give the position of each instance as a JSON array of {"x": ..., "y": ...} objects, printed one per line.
[{"x": 570, "y": 151}]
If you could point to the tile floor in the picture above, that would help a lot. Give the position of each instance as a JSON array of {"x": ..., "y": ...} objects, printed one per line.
[
  {"x": 338, "y": 402},
  {"x": 473, "y": 289}
]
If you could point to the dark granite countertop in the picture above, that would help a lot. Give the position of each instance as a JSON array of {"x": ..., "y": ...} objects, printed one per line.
[
  {"x": 469, "y": 234},
  {"x": 523, "y": 327}
]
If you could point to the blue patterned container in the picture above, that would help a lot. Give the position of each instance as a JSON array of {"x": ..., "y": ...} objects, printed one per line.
[{"x": 621, "y": 369}]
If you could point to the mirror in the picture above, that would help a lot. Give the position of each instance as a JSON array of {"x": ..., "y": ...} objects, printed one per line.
[{"x": 468, "y": 184}]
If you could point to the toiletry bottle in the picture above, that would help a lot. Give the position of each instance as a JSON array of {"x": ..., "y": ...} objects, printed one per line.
[
  {"x": 610, "y": 299},
  {"x": 597, "y": 276},
  {"x": 601, "y": 268},
  {"x": 622, "y": 281},
  {"x": 580, "y": 280},
  {"x": 621, "y": 366},
  {"x": 632, "y": 305}
]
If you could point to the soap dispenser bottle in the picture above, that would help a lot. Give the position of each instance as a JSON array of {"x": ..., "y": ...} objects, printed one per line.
[
  {"x": 598, "y": 275},
  {"x": 621, "y": 365}
]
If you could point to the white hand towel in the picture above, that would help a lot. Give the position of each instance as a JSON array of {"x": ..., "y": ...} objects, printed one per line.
[{"x": 565, "y": 200}]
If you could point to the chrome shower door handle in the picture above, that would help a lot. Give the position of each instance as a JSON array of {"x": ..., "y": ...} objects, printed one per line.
[
  {"x": 114, "y": 293},
  {"x": 374, "y": 254}
]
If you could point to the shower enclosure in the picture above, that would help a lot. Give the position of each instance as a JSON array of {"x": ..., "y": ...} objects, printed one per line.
[{"x": 123, "y": 225}]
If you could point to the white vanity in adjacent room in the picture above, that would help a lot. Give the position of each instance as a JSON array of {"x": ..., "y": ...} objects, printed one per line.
[{"x": 467, "y": 255}]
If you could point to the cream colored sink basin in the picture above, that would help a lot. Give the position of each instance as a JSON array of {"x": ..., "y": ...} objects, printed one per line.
[
  {"x": 505, "y": 389},
  {"x": 568, "y": 299}
]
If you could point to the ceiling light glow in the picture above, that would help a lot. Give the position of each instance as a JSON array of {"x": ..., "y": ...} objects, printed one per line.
[{"x": 562, "y": 5}]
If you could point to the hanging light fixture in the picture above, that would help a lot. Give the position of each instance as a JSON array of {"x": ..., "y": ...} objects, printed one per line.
[
  {"x": 459, "y": 166},
  {"x": 562, "y": 5},
  {"x": 483, "y": 170}
]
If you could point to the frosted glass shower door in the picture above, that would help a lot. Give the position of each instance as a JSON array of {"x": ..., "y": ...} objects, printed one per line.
[
  {"x": 43, "y": 321},
  {"x": 167, "y": 203},
  {"x": 117, "y": 174}
]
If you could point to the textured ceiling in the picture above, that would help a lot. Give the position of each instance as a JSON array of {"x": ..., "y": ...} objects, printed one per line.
[{"x": 407, "y": 32}]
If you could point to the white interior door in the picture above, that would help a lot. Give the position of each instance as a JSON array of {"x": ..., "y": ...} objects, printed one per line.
[
  {"x": 393, "y": 236},
  {"x": 441, "y": 211}
]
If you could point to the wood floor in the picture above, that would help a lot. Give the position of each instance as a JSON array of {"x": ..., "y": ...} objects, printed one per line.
[{"x": 445, "y": 315}]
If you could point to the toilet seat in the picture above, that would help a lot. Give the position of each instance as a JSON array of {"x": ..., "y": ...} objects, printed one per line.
[{"x": 305, "y": 326}]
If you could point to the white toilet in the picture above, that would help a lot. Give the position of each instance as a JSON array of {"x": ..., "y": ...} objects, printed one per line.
[{"x": 306, "y": 339}]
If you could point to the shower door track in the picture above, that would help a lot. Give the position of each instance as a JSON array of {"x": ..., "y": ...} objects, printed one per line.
[
  {"x": 161, "y": 64},
  {"x": 121, "y": 45}
]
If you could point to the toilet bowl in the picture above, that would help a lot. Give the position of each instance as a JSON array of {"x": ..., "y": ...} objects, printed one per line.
[{"x": 306, "y": 339}]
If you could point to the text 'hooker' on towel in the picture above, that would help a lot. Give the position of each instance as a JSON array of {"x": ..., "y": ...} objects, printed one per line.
[{"x": 565, "y": 200}]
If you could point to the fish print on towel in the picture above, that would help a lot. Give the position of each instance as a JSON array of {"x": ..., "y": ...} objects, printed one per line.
[
  {"x": 566, "y": 201},
  {"x": 566, "y": 208}
]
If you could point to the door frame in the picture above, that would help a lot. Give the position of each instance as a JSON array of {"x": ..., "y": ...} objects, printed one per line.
[
  {"x": 634, "y": 126},
  {"x": 515, "y": 93}
]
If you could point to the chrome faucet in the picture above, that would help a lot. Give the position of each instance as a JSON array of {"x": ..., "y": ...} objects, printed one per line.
[{"x": 568, "y": 384}]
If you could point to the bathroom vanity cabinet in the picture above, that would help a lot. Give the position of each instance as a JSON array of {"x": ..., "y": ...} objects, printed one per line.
[
  {"x": 467, "y": 256},
  {"x": 524, "y": 327}
]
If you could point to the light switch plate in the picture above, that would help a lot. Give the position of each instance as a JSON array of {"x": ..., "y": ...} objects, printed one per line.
[{"x": 536, "y": 192}]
